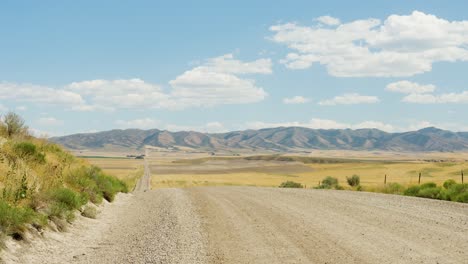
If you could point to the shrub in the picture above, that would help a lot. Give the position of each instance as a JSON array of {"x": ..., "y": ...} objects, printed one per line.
[
  {"x": 109, "y": 186},
  {"x": 12, "y": 124},
  {"x": 67, "y": 199},
  {"x": 428, "y": 185},
  {"x": 456, "y": 192},
  {"x": 13, "y": 220},
  {"x": 412, "y": 190},
  {"x": 353, "y": 180},
  {"x": 27, "y": 150},
  {"x": 430, "y": 192},
  {"x": 291, "y": 184},
  {"x": 329, "y": 183},
  {"x": 462, "y": 197},
  {"x": 449, "y": 183}
]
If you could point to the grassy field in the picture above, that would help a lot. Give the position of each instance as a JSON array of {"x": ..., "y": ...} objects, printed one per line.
[
  {"x": 198, "y": 169},
  {"x": 127, "y": 170},
  {"x": 208, "y": 171}
]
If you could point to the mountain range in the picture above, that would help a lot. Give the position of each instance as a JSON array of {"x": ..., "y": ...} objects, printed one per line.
[{"x": 270, "y": 139}]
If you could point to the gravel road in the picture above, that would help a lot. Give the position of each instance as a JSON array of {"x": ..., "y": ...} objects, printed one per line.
[{"x": 265, "y": 225}]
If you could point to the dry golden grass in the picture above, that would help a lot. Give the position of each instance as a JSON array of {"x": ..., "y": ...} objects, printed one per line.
[
  {"x": 127, "y": 170},
  {"x": 195, "y": 173}
]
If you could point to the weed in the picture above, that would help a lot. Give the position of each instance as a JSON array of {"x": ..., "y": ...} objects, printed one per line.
[
  {"x": 329, "y": 183},
  {"x": 353, "y": 180},
  {"x": 13, "y": 220},
  {"x": 430, "y": 192},
  {"x": 412, "y": 190},
  {"x": 449, "y": 183},
  {"x": 291, "y": 184}
]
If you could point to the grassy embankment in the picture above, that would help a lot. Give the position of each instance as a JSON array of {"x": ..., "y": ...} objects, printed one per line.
[{"x": 42, "y": 185}]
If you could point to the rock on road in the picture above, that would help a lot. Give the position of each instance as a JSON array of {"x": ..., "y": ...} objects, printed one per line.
[{"x": 268, "y": 225}]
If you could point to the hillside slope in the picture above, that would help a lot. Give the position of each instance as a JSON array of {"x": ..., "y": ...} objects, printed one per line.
[
  {"x": 42, "y": 185},
  {"x": 272, "y": 139}
]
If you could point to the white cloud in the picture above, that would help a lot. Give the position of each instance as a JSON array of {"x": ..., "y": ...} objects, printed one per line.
[
  {"x": 3, "y": 108},
  {"x": 149, "y": 123},
  {"x": 49, "y": 121},
  {"x": 352, "y": 98},
  {"x": 296, "y": 100},
  {"x": 41, "y": 133},
  {"x": 454, "y": 98},
  {"x": 110, "y": 94},
  {"x": 217, "y": 82},
  {"x": 408, "y": 87},
  {"x": 143, "y": 123},
  {"x": 399, "y": 46},
  {"x": 38, "y": 94},
  {"x": 423, "y": 94},
  {"x": 328, "y": 20},
  {"x": 317, "y": 123},
  {"x": 210, "y": 127}
]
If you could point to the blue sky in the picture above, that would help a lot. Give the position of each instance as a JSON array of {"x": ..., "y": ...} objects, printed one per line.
[{"x": 81, "y": 66}]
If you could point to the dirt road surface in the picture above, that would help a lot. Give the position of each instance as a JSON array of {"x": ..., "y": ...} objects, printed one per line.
[{"x": 263, "y": 225}]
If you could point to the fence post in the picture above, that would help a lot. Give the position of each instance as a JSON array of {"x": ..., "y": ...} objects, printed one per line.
[
  {"x": 419, "y": 180},
  {"x": 385, "y": 179},
  {"x": 462, "y": 175}
]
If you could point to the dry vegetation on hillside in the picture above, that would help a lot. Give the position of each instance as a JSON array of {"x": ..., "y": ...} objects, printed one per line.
[{"x": 41, "y": 184}]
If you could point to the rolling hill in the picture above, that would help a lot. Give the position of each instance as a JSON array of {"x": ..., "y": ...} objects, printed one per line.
[{"x": 271, "y": 139}]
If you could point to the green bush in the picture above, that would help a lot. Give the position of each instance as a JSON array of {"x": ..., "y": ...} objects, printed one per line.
[
  {"x": 13, "y": 220},
  {"x": 353, "y": 180},
  {"x": 449, "y": 183},
  {"x": 68, "y": 198},
  {"x": 456, "y": 192},
  {"x": 95, "y": 185},
  {"x": 462, "y": 197},
  {"x": 27, "y": 150},
  {"x": 412, "y": 190},
  {"x": 428, "y": 185},
  {"x": 329, "y": 183},
  {"x": 291, "y": 184},
  {"x": 431, "y": 192}
]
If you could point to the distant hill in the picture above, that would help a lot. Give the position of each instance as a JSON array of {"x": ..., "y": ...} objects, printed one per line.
[{"x": 271, "y": 139}]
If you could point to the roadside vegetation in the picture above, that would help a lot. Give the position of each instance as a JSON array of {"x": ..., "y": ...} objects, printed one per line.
[
  {"x": 42, "y": 185},
  {"x": 449, "y": 191}
]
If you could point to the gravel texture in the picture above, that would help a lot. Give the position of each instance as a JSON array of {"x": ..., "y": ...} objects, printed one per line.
[{"x": 262, "y": 225}]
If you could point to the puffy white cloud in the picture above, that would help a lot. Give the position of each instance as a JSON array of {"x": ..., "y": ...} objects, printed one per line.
[
  {"x": 49, "y": 121},
  {"x": 38, "y": 94},
  {"x": 352, "y": 98},
  {"x": 143, "y": 123},
  {"x": 296, "y": 100},
  {"x": 328, "y": 20},
  {"x": 227, "y": 64},
  {"x": 111, "y": 94},
  {"x": 399, "y": 46},
  {"x": 217, "y": 82},
  {"x": 454, "y": 98},
  {"x": 408, "y": 87}
]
